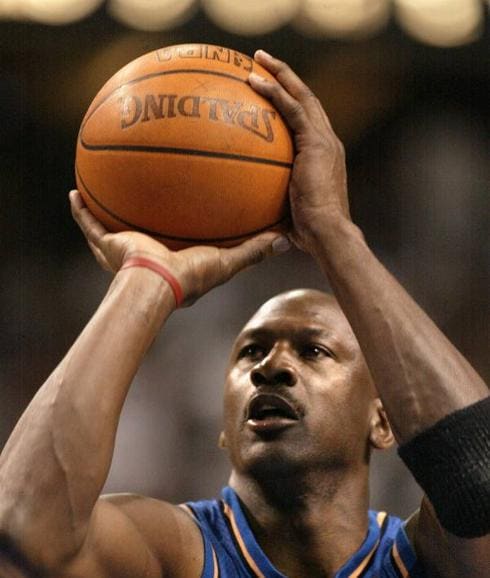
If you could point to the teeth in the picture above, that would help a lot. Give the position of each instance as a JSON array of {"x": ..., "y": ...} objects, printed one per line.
[
  {"x": 268, "y": 408},
  {"x": 270, "y": 411},
  {"x": 262, "y": 408}
]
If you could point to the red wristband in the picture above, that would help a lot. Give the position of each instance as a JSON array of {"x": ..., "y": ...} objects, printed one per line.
[{"x": 162, "y": 271}]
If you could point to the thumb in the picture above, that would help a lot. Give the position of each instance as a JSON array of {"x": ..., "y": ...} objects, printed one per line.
[
  {"x": 252, "y": 252},
  {"x": 213, "y": 266}
]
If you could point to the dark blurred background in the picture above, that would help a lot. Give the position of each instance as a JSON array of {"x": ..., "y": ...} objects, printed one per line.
[{"x": 405, "y": 83}]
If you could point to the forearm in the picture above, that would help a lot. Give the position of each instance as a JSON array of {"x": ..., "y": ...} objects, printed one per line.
[
  {"x": 57, "y": 459},
  {"x": 419, "y": 374}
]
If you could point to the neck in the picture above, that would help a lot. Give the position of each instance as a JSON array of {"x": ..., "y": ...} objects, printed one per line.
[{"x": 308, "y": 524}]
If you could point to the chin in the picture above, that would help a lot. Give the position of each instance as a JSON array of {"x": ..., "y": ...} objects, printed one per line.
[
  {"x": 289, "y": 461},
  {"x": 265, "y": 461}
]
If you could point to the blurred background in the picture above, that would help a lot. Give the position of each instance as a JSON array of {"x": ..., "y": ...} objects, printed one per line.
[{"x": 406, "y": 85}]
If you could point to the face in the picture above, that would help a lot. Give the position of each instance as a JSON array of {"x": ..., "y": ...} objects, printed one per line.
[{"x": 298, "y": 393}]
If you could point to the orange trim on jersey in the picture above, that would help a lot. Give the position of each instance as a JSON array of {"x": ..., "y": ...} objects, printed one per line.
[
  {"x": 251, "y": 562},
  {"x": 188, "y": 510},
  {"x": 357, "y": 572},
  {"x": 380, "y": 518},
  {"x": 399, "y": 561},
  {"x": 215, "y": 564}
]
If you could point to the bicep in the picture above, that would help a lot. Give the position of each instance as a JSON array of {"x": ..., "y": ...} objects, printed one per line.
[
  {"x": 132, "y": 537},
  {"x": 445, "y": 555},
  {"x": 113, "y": 548}
]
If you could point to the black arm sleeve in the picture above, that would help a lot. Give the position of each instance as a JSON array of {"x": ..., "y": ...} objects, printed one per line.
[{"x": 451, "y": 462}]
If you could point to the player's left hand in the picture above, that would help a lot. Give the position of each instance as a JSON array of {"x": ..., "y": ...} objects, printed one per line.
[{"x": 318, "y": 186}]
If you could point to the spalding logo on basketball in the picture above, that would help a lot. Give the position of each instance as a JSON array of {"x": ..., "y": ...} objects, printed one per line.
[{"x": 179, "y": 146}]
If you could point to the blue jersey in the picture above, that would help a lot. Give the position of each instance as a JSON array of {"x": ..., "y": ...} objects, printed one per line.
[{"x": 231, "y": 550}]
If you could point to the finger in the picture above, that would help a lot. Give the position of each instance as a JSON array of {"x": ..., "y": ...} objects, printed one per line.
[
  {"x": 100, "y": 257},
  {"x": 284, "y": 74},
  {"x": 294, "y": 85},
  {"x": 93, "y": 230},
  {"x": 292, "y": 111},
  {"x": 76, "y": 200},
  {"x": 252, "y": 252}
]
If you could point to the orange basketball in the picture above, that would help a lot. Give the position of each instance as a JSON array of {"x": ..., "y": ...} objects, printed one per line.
[{"x": 179, "y": 146}]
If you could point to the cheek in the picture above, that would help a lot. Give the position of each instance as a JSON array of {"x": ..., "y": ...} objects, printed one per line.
[
  {"x": 342, "y": 401},
  {"x": 234, "y": 398}
]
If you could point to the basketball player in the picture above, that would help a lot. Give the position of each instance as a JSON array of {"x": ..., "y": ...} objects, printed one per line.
[{"x": 302, "y": 411}]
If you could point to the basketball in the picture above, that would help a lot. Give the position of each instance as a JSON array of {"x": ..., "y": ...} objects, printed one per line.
[{"x": 177, "y": 145}]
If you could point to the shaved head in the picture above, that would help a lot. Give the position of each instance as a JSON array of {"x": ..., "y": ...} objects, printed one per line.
[{"x": 300, "y": 296}]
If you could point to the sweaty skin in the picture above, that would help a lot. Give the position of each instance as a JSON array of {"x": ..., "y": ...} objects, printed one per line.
[{"x": 300, "y": 346}]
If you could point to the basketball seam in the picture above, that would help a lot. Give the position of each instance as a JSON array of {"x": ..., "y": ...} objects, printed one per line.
[
  {"x": 173, "y": 237},
  {"x": 185, "y": 151}
]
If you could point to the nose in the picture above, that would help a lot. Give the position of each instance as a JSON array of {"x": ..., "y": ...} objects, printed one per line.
[{"x": 275, "y": 369}]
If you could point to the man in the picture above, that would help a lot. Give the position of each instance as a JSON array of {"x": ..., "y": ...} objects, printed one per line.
[{"x": 301, "y": 411}]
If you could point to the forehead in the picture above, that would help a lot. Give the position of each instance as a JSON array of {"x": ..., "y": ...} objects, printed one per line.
[{"x": 302, "y": 311}]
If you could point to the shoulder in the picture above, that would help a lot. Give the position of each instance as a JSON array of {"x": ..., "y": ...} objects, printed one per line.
[
  {"x": 171, "y": 534},
  {"x": 139, "y": 536}
]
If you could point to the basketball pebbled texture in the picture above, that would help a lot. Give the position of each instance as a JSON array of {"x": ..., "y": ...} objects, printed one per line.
[{"x": 178, "y": 145}]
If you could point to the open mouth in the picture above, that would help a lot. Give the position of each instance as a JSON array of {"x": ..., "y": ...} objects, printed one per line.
[{"x": 270, "y": 412}]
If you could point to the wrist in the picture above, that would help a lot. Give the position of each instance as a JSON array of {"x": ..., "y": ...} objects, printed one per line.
[
  {"x": 160, "y": 270},
  {"x": 332, "y": 233},
  {"x": 146, "y": 291}
]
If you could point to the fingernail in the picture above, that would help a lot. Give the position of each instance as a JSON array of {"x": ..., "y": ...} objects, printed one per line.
[
  {"x": 263, "y": 53},
  {"x": 281, "y": 245},
  {"x": 256, "y": 77}
]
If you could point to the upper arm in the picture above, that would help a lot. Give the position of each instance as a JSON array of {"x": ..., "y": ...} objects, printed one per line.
[
  {"x": 443, "y": 554},
  {"x": 135, "y": 537}
]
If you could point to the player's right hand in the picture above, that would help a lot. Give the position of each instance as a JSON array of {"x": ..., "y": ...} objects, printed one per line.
[{"x": 197, "y": 269}]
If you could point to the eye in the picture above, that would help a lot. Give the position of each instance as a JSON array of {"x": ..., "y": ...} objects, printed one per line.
[
  {"x": 252, "y": 351},
  {"x": 315, "y": 351}
]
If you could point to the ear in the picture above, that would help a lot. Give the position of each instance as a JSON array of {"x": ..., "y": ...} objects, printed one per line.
[
  {"x": 380, "y": 434},
  {"x": 222, "y": 444}
]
